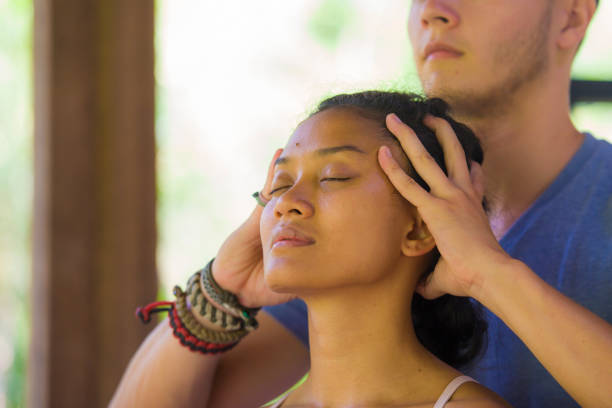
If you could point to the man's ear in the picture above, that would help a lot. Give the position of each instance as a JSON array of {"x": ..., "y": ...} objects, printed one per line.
[
  {"x": 417, "y": 239},
  {"x": 578, "y": 15}
]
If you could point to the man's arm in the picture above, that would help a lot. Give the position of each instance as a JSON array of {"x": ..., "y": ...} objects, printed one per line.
[
  {"x": 163, "y": 373},
  {"x": 571, "y": 342}
]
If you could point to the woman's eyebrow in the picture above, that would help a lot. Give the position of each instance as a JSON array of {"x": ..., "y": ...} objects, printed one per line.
[{"x": 326, "y": 151}]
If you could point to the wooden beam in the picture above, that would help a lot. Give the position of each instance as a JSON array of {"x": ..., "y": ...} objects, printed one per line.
[{"x": 94, "y": 232}]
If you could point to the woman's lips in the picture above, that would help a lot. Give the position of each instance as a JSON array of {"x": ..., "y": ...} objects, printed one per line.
[
  {"x": 288, "y": 236},
  {"x": 289, "y": 243}
]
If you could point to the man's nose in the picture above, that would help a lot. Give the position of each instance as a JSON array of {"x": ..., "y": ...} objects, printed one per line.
[{"x": 438, "y": 13}]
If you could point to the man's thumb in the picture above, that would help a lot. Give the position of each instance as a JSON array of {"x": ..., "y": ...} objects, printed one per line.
[{"x": 429, "y": 287}]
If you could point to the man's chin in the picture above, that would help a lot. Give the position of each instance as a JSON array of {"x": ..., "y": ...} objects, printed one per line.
[
  {"x": 465, "y": 102},
  {"x": 441, "y": 86}
]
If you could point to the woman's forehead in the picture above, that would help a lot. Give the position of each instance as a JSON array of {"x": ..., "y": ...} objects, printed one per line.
[{"x": 334, "y": 127}]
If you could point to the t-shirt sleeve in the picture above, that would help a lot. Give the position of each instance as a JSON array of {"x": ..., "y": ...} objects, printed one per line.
[{"x": 294, "y": 316}]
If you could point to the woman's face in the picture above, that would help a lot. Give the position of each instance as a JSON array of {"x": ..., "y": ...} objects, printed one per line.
[{"x": 334, "y": 219}]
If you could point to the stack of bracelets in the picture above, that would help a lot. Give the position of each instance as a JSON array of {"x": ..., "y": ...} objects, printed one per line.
[{"x": 228, "y": 320}]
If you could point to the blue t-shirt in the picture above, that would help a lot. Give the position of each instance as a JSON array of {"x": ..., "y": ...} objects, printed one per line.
[{"x": 566, "y": 238}]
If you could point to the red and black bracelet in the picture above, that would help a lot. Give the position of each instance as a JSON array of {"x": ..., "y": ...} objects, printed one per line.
[{"x": 179, "y": 331}]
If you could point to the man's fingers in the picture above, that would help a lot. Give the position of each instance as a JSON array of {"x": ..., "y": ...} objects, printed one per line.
[
  {"x": 421, "y": 160},
  {"x": 264, "y": 192},
  {"x": 428, "y": 289},
  {"x": 405, "y": 184},
  {"x": 431, "y": 288},
  {"x": 478, "y": 181},
  {"x": 454, "y": 155}
]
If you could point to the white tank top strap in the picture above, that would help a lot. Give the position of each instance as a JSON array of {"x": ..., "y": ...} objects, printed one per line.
[
  {"x": 277, "y": 403},
  {"x": 444, "y": 398},
  {"x": 451, "y": 388}
]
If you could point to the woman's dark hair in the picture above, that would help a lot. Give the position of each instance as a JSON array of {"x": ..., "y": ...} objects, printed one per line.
[{"x": 451, "y": 327}]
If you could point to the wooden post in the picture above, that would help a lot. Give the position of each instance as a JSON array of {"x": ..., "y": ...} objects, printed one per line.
[{"x": 94, "y": 232}]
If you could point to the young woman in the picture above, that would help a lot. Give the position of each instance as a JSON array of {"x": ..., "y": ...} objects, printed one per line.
[{"x": 338, "y": 235}]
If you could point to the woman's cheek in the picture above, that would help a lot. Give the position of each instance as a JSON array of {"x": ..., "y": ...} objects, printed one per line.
[{"x": 266, "y": 222}]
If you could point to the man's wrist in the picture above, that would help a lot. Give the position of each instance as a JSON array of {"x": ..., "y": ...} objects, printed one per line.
[
  {"x": 494, "y": 277},
  {"x": 499, "y": 278}
]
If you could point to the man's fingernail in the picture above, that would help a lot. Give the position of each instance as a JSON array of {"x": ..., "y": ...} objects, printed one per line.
[
  {"x": 386, "y": 151},
  {"x": 395, "y": 118}
]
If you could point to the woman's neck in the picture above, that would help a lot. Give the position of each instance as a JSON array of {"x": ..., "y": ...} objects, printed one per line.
[{"x": 363, "y": 348}]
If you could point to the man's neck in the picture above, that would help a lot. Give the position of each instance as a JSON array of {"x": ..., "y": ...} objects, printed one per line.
[{"x": 526, "y": 147}]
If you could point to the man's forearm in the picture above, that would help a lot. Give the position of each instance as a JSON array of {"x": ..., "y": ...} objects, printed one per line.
[{"x": 572, "y": 343}]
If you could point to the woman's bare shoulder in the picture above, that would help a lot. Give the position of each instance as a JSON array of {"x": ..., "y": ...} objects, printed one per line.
[{"x": 474, "y": 395}]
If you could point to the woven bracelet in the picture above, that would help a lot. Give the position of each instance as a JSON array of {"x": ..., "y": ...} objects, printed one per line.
[
  {"x": 219, "y": 319},
  {"x": 201, "y": 291},
  {"x": 192, "y": 342},
  {"x": 226, "y": 298},
  {"x": 203, "y": 333},
  {"x": 185, "y": 337}
]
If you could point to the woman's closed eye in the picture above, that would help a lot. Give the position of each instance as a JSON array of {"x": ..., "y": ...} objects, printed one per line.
[
  {"x": 335, "y": 179},
  {"x": 322, "y": 180}
]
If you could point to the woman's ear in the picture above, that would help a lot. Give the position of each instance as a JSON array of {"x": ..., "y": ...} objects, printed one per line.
[{"x": 417, "y": 239}]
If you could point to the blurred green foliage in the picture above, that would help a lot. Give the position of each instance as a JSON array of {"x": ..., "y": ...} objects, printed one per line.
[
  {"x": 16, "y": 183},
  {"x": 330, "y": 20}
]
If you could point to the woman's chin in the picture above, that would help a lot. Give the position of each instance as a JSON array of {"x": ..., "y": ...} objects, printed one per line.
[
  {"x": 279, "y": 284},
  {"x": 284, "y": 280}
]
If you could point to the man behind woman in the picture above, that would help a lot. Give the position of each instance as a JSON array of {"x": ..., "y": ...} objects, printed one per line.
[{"x": 504, "y": 67}]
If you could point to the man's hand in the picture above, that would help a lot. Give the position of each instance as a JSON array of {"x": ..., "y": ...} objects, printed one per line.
[
  {"x": 571, "y": 342},
  {"x": 238, "y": 267},
  {"x": 452, "y": 209}
]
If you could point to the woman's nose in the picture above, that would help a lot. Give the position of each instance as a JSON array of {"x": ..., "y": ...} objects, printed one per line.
[{"x": 295, "y": 202}]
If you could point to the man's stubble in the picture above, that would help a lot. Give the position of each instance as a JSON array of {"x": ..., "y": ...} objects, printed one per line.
[{"x": 521, "y": 61}]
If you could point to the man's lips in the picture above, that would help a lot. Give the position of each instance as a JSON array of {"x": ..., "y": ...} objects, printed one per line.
[{"x": 440, "y": 50}]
